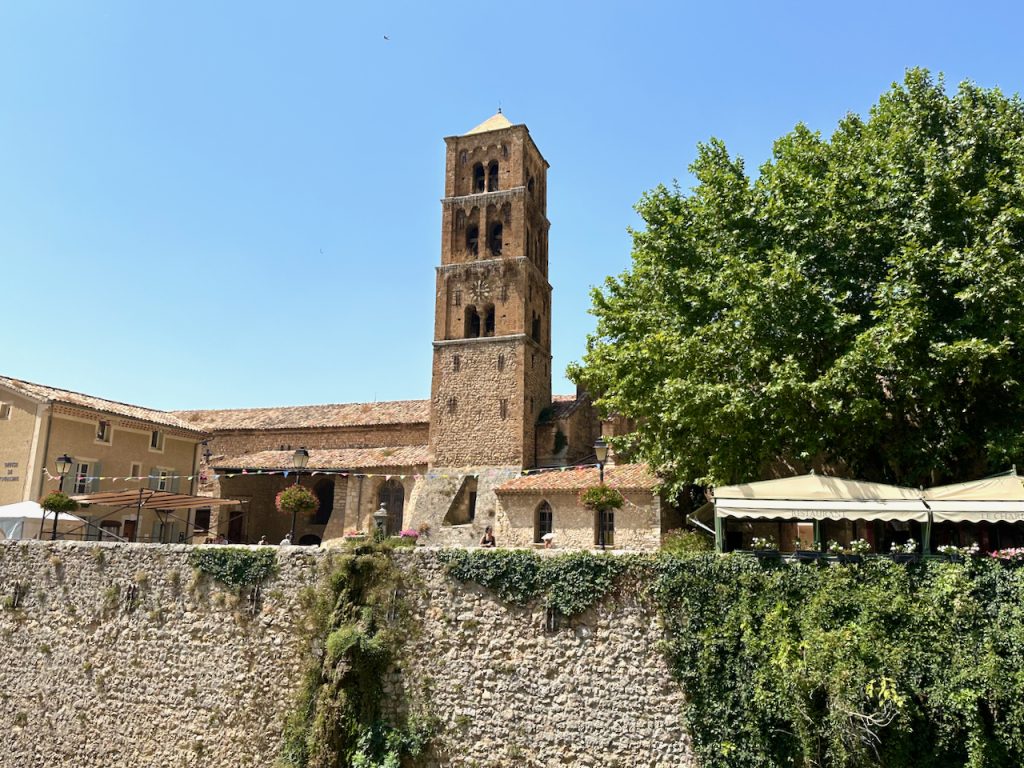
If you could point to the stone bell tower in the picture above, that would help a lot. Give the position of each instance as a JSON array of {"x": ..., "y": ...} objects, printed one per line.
[{"x": 492, "y": 320}]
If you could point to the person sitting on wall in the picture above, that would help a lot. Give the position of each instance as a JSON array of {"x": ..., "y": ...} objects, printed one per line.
[
  {"x": 286, "y": 541},
  {"x": 487, "y": 540},
  {"x": 263, "y": 541}
]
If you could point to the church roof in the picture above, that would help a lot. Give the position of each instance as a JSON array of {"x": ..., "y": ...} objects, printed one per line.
[
  {"x": 312, "y": 416},
  {"x": 42, "y": 393},
  {"x": 329, "y": 458},
  {"x": 623, "y": 477},
  {"x": 493, "y": 123}
]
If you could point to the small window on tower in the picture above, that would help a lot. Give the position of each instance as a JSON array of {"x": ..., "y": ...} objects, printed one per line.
[
  {"x": 492, "y": 176},
  {"x": 489, "y": 320},
  {"x": 460, "y": 220},
  {"x": 503, "y": 409},
  {"x": 504, "y": 150},
  {"x": 478, "y": 177},
  {"x": 494, "y": 242},
  {"x": 529, "y": 185},
  {"x": 504, "y": 293},
  {"x": 456, "y": 363},
  {"x": 501, "y": 362},
  {"x": 463, "y": 157},
  {"x": 472, "y": 240},
  {"x": 452, "y": 405},
  {"x": 457, "y": 297}
]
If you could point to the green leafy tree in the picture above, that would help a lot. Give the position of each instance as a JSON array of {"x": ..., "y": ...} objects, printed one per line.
[{"x": 858, "y": 305}]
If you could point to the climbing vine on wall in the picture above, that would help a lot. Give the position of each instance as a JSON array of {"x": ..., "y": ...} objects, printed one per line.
[
  {"x": 843, "y": 667},
  {"x": 357, "y": 621},
  {"x": 235, "y": 566},
  {"x": 570, "y": 583}
]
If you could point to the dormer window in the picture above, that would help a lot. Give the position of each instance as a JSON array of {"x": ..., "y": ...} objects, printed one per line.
[
  {"x": 5, "y": 411},
  {"x": 103, "y": 432},
  {"x": 156, "y": 440}
]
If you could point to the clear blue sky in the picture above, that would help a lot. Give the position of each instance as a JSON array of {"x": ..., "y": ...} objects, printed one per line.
[{"x": 215, "y": 204}]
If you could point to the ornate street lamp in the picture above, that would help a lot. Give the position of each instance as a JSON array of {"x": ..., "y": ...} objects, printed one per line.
[
  {"x": 299, "y": 460},
  {"x": 64, "y": 464},
  {"x": 601, "y": 452}
]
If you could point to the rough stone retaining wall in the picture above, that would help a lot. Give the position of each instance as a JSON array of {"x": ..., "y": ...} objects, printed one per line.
[{"x": 115, "y": 655}]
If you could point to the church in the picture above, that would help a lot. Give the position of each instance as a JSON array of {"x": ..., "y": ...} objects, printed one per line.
[{"x": 492, "y": 447}]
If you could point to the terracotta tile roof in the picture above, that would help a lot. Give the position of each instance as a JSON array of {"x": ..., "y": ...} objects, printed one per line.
[
  {"x": 41, "y": 392},
  {"x": 624, "y": 477},
  {"x": 330, "y": 458},
  {"x": 312, "y": 416}
]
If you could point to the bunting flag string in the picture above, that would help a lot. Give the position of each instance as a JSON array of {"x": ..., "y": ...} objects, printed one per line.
[{"x": 208, "y": 476}]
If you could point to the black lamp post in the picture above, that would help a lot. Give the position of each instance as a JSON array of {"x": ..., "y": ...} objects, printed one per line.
[
  {"x": 299, "y": 460},
  {"x": 64, "y": 464},
  {"x": 601, "y": 452}
]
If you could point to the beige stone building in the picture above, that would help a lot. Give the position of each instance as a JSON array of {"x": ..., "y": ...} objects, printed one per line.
[
  {"x": 453, "y": 463},
  {"x": 114, "y": 446}
]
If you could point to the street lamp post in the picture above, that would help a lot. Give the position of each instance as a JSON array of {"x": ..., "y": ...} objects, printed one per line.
[
  {"x": 601, "y": 452},
  {"x": 63, "y": 467},
  {"x": 299, "y": 460}
]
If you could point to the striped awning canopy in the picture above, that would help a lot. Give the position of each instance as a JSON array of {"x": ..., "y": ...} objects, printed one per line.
[{"x": 145, "y": 497}]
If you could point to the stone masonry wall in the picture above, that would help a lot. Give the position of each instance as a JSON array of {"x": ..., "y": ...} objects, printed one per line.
[{"x": 179, "y": 673}]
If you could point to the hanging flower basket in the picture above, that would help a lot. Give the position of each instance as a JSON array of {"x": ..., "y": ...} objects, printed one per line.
[
  {"x": 297, "y": 500},
  {"x": 601, "y": 498}
]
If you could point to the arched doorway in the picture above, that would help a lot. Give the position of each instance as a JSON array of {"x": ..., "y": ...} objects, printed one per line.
[
  {"x": 324, "y": 491},
  {"x": 392, "y": 496},
  {"x": 309, "y": 540}
]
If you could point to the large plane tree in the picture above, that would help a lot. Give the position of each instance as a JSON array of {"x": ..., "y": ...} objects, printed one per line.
[{"x": 858, "y": 305}]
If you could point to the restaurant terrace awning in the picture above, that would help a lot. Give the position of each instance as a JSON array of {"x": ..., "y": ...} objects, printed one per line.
[
  {"x": 150, "y": 499},
  {"x": 819, "y": 497},
  {"x": 993, "y": 499}
]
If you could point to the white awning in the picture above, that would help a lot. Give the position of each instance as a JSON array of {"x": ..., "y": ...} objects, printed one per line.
[
  {"x": 993, "y": 499},
  {"x": 804, "y": 509}
]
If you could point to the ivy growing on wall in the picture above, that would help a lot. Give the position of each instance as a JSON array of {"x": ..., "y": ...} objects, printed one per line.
[
  {"x": 842, "y": 667},
  {"x": 235, "y": 566},
  {"x": 570, "y": 583},
  {"x": 357, "y": 622}
]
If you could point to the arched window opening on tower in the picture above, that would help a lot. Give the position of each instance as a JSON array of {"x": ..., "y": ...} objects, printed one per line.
[
  {"x": 492, "y": 176},
  {"x": 472, "y": 240},
  {"x": 536, "y": 327},
  {"x": 472, "y": 323},
  {"x": 488, "y": 320},
  {"x": 543, "y": 522},
  {"x": 529, "y": 186},
  {"x": 478, "y": 177},
  {"x": 494, "y": 241}
]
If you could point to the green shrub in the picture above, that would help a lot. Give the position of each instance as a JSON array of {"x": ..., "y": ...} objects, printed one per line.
[{"x": 682, "y": 541}]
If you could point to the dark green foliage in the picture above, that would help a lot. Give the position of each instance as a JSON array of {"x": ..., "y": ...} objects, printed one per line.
[
  {"x": 360, "y": 622},
  {"x": 858, "y": 303},
  {"x": 234, "y": 565},
  {"x": 878, "y": 665},
  {"x": 570, "y": 583}
]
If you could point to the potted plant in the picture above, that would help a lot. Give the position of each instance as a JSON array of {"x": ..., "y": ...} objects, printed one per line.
[
  {"x": 55, "y": 503},
  {"x": 406, "y": 538},
  {"x": 296, "y": 500},
  {"x": 805, "y": 555},
  {"x": 855, "y": 552},
  {"x": 904, "y": 553},
  {"x": 764, "y": 549},
  {"x": 953, "y": 554},
  {"x": 354, "y": 535}
]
